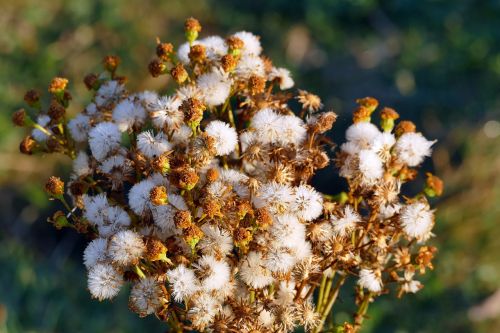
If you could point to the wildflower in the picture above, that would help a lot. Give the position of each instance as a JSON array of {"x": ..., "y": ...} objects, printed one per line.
[{"x": 309, "y": 101}]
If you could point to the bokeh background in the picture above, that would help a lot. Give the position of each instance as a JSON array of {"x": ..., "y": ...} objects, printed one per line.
[{"x": 437, "y": 62}]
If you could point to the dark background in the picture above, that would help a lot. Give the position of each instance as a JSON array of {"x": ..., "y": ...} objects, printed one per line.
[{"x": 436, "y": 62}]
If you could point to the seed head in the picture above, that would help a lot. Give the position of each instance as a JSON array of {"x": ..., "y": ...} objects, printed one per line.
[{"x": 54, "y": 186}]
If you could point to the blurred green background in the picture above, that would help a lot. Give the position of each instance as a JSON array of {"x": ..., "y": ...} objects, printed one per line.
[{"x": 436, "y": 62}]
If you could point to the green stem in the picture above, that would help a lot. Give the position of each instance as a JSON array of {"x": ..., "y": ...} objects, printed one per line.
[
  {"x": 331, "y": 300},
  {"x": 321, "y": 292}
]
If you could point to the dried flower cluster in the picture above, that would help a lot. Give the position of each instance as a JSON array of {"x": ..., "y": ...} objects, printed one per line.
[{"x": 201, "y": 199}]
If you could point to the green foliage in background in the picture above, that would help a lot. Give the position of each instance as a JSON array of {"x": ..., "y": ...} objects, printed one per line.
[{"x": 436, "y": 61}]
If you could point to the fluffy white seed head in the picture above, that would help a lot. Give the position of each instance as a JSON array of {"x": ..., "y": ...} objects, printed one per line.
[
  {"x": 370, "y": 280},
  {"x": 95, "y": 252},
  {"x": 307, "y": 203},
  {"x": 38, "y": 135},
  {"x": 79, "y": 127},
  {"x": 213, "y": 273},
  {"x": 417, "y": 220},
  {"x": 153, "y": 145},
  {"x": 104, "y": 281},
  {"x": 183, "y": 281},
  {"x": 343, "y": 226},
  {"x": 126, "y": 247},
  {"x": 128, "y": 113},
  {"x": 146, "y": 296},
  {"x": 225, "y": 136},
  {"x": 412, "y": 148},
  {"x": 103, "y": 139},
  {"x": 251, "y": 43},
  {"x": 283, "y": 76},
  {"x": 253, "y": 272},
  {"x": 214, "y": 86}
]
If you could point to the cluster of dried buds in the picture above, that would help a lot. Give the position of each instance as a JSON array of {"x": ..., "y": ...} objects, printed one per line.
[{"x": 201, "y": 199}]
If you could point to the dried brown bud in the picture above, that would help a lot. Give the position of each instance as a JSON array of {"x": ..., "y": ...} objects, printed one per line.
[
  {"x": 242, "y": 237},
  {"x": 368, "y": 102},
  {"x": 164, "y": 50},
  {"x": 256, "y": 84},
  {"x": 56, "y": 111},
  {"x": 184, "y": 178},
  {"x": 27, "y": 145},
  {"x": 193, "y": 110},
  {"x": 19, "y": 118},
  {"x": 54, "y": 186},
  {"x": 59, "y": 220},
  {"x": 77, "y": 188},
  {"x": 197, "y": 53},
  {"x": 32, "y": 97},
  {"x": 182, "y": 219},
  {"x": 91, "y": 81},
  {"x": 211, "y": 208},
  {"x": 424, "y": 258},
  {"x": 405, "y": 126},
  {"x": 192, "y": 25},
  {"x": 433, "y": 185},
  {"x": 388, "y": 116},
  {"x": 192, "y": 235},
  {"x": 320, "y": 159},
  {"x": 155, "y": 249},
  {"x": 361, "y": 114},
  {"x": 161, "y": 164},
  {"x": 156, "y": 68},
  {"x": 263, "y": 218},
  {"x": 158, "y": 195},
  {"x": 111, "y": 62},
  {"x": 234, "y": 43},
  {"x": 57, "y": 85},
  {"x": 228, "y": 63},
  {"x": 212, "y": 175},
  {"x": 243, "y": 208},
  {"x": 179, "y": 73},
  {"x": 389, "y": 113}
]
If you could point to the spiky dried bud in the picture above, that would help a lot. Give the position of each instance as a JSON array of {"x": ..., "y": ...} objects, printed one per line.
[
  {"x": 228, "y": 63},
  {"x": 32, "y": 98},
  {"x": 20, "y": 118},
  {"x": 309, "y": 101},
  {"x": 192, "y": 27},
  {"x": 27, "y": 145},
  {"x": 179, "y": 73},
  {"x": 54, "y": 186},
  {"x": 155, "y": 249},
  {"x": 263, "y": 218},
  {"x": 161, "y": 164},
  {"x": 405, "y": 126},
  {"x": 56, "y": 111},
  {"x": 319, "y": 159},
  {"x": 235, "y": 45},
  {"x": 158, "y": 195},
  {"x": 256, "y": 85},
  {"x": 211, "y": 208},
  {"x": 388, "y": 115},
  {"x": 433, "y": 185},
  {"x": 57, "y": 85},
  {"x": 182, "y": 219},
  {"x": 193, "y": 111},
  {"x": 91, "y": 81},
  {"x": 424, "y": 258},
  {"x": 197, "y": 53},
  {"x": 111, "y": 63},
  {"x": 325, "y": 122},
  {"x": 156, "y": 68},
  {"x": 164, "y": 50},
  {"x": 212, "y": 175}
]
